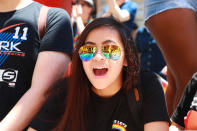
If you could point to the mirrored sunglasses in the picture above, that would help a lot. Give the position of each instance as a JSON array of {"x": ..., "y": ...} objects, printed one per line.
[{"x": 87, "y": 52}]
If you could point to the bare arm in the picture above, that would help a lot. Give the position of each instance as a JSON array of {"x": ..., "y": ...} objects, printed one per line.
[
  {"x": 120, "y": 15},
  {"x": 156, "y": 126},
  {"x": 50, "y": 66},
  {"x": 31, "y": 129},
  {"x": 107, "y": 14},
  {"x": 80, "y": 25},
  {"x": 76, "y": 16}
]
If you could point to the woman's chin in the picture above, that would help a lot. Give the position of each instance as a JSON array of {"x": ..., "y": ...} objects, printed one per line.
[
  {"x": 99, "y": 87},
  {"x": 99, "y": 90}
]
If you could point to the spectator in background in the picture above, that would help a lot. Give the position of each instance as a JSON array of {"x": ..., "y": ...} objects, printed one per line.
[
  {"x": 82, "y": 13},
  {"x": 122, "y": 10},
  {"x": 151, "y": 57}
]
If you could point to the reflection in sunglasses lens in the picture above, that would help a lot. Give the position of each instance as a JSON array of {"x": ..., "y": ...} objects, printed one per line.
[{"x": 87, "y": 52}]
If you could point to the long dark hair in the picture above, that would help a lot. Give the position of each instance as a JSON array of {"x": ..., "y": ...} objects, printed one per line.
[{"x": 74, "y": 118}]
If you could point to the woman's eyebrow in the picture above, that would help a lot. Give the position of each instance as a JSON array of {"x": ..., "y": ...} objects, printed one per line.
[
  {"x": 108, "y": 41},
  {"x": 90, "y": 43},
  {"x": 103, "y": 43}
]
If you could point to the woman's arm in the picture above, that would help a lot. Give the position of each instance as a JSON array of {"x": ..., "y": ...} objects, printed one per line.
[
  {"x": 31, "y": 129},
  {"x": 121, "y": 15},
  {"x": 157, "y": 126}
]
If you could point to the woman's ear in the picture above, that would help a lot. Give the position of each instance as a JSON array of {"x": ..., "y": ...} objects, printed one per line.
[{"x": 125, "y": 62}]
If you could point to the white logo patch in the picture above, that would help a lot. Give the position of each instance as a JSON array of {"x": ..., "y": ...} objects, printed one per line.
[{"x": 9, "y": 76}]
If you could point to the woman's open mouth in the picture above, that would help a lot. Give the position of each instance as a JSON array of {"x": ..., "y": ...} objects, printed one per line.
[{"x": 100, "y": 71}]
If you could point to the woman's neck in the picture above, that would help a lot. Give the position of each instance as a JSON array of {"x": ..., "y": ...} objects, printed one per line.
[
  {"x": 111, "y": 90},
  {"x": 107, "y": 92},
  {"x": 10, "y": 5}
]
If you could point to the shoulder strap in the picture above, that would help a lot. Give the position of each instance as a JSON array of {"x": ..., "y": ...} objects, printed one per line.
[
  {"x": 42, "y": 20},
  {"x": 41, "y": 28}
]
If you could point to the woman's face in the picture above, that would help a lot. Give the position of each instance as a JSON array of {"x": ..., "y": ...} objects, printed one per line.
[{"x": 105, "y": 74}]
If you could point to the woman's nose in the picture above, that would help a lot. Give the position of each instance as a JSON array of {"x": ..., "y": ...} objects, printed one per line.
[{"x": 99, "y": 56}]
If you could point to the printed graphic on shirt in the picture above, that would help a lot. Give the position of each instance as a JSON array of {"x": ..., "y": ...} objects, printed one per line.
[
  {"x": 194, "y": 103},
  {"x": 9, "y": 41},
  {"x": 9, "y": 76},
  {"x": 118, "y": 125}
]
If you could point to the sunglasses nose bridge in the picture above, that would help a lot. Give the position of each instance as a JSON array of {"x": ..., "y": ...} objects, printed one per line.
[{"x": 99, "y": 55}]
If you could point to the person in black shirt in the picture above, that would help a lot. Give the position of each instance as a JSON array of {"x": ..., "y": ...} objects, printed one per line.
[
  {"x": 29, "y": 65},
  {"x": 100, "y": 97},
  {"x": 186, "y": 103}
]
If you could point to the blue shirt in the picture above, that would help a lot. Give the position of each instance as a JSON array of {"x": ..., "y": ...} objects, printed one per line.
[
  {"x": 151, "y": 57},
  {"x": 131, "y": 7}
]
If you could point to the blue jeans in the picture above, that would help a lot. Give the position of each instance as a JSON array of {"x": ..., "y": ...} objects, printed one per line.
[{"x": 153, "y": 7}]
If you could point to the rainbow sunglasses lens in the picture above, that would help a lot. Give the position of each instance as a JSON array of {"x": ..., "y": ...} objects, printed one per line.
[
  {"x": 111, "y": 52},
  {"x": 87, "y": 52}
]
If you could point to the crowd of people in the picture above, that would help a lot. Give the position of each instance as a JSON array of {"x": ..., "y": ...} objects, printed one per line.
[{"x": 116, "y": 69}]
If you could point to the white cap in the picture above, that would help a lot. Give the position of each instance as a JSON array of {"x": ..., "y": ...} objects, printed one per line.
[{"x": 91, "y": 2}]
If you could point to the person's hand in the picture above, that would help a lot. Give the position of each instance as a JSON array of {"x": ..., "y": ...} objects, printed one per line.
[
  {"x": 76, "y": 11},
  {"x": 79, "y": 10},
  {"x": 111, "y": 2}
]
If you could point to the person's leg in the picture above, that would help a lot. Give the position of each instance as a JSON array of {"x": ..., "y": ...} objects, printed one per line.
[
  {"x": 170, "y": 92},
  {"x": 175, "y": 31}
]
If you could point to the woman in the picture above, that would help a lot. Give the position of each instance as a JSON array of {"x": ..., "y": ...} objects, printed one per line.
[
  {"x": 105, "y": 73},
  {"x": 173, "y": 24}
]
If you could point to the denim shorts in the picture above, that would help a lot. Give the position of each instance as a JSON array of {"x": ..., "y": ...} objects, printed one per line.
[{"x": 153, "y": 7}]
